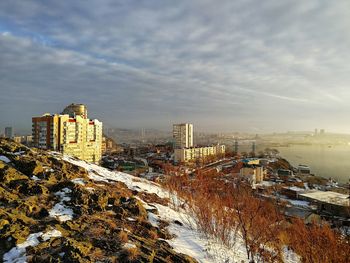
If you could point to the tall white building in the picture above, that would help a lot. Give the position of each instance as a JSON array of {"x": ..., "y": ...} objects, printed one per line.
[{"x": 183, "y": 135}]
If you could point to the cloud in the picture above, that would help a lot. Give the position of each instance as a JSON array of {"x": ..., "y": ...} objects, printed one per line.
[{"x": 137, "y": 63}]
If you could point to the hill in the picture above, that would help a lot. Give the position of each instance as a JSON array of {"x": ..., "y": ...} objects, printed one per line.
[{"x": 54, "y": 210}]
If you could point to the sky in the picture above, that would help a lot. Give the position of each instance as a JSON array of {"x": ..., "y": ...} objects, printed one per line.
[{"x": 255, "y": 66}]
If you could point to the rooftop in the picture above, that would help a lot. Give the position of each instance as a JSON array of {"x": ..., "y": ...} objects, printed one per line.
[{"x": 328, "y": 197}]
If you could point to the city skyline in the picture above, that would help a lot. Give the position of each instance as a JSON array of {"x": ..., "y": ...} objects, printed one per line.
[{"x": 235, "y": 66}]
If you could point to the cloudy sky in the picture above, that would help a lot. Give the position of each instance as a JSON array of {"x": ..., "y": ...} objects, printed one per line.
[{"x": 231, "y": 65}]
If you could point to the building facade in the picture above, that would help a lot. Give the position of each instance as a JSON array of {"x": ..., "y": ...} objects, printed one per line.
[
  {"x": 254, "y": 173},
  {"x": 8, "y": 132},
  {"x": 198, "y": 153},
  {"x": 72, "y": 133},
  {"x": 183, "y": 135}
]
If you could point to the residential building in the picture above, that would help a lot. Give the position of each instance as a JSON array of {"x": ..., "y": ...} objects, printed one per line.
[
  {"x": 103, "y": 145},
  {"x": 254, "y": 173},
  {"x": 45, "y": 131},
  {"x": 71, "y": 133},
  {"x": 328, "y": 202},
  {"x": 8, "y": 132},
  {"x": 183, "y": 135},
  {"x": 198, "y": 153}
]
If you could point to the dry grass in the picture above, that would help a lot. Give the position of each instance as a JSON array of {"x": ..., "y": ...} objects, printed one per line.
[
  {"x": 123, "y": 236},
  {"x": 153, "y": 234},
  {"x": 133, "y": 253}
]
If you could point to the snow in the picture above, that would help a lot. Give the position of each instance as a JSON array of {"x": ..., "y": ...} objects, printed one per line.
[
  {"x": 18, "y": 253},
  {"x": 129, "y": 245},
  {"x": 299, "y": 203},
  {"x": 153, "y": 219},
  {"x": 79, "y": 181},
  {"x": 19, "y": 153},
  {"x": 101, "y": 174},
  {"x": 290, "y": 256},
  {"x": 50, "y": 234},
  {"x": 60, "y": 210},
  {"x": 4, "y": 159}
]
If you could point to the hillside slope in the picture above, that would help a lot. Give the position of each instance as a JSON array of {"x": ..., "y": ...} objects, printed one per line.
[
  {"x": 54, "y": 211},
  {"x": 56, "y": 208}
]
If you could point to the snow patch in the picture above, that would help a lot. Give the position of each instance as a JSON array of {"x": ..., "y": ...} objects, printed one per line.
[
  {"x": 153, "y": 219},
  {"x": 79, "y": 181},
  {"x": 35, "y": 178},
  {"x": 129, "y": 245},
  {"x": 4, "y": 159},
  {"x": 61, "y": 211},
  {"x": 50, "y": 234},
  {"x": 18, "y": 253}
]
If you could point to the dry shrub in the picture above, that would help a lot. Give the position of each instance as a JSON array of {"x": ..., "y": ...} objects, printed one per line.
[
  {"x": 224, "y": 211},
  {"x": 318, "y": 243},
  {"x": 153, "y": 234},
  {"x": 123, "y": 236},
  {"x": 132, "y": 253},
  {"x": 97, "y": 254},
  {"x": 97, "y": 231}
]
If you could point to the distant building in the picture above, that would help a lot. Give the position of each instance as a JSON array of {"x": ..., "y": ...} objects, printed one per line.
[
  {"x": 29, "y": 139},
  {"x": 8, "y": 132},
  {"x": 198, "y": 153},
  {"x": 103, "y": 145},
  {"x": 255, "y": 174},
  {"x": 183, "y": 135},
  {"x": 17, "y": 139},
  {"x": 333, "y": 203},
  {"x": 71, "y": 133},
  {"x": 303, "y": 169}
]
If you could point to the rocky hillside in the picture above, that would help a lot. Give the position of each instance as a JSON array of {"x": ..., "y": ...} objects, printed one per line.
[{"x": 52, "y": 210}]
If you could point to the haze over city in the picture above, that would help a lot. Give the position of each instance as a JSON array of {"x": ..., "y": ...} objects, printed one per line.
[{"x": 255, "y": 66}]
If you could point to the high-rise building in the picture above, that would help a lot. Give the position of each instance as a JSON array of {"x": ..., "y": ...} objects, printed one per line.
[
  {"x": 8, "y": 132},
  {"x": 183, "y": 135},
  {"x": 71, "y": 133},
  {"x": 45, "y": 131}
]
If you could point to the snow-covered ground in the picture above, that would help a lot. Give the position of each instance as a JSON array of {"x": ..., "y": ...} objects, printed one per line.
[
  {"x": 18, "y": 253},
  {"x": 4, "y": 159},
  {"x": 186, "y": 239},
  {"x": 60, "y": 210}
]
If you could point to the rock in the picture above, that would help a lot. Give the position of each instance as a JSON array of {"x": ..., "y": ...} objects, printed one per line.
[{"x": 136, "y": 208}]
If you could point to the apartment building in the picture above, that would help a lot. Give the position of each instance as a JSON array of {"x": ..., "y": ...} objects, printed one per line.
[
  {"x": 198, "y": 153},
  {"x": 71, "y": 133},
  {"x": 45, "y": 131},
  {"x": 183, "y": 135},
  {"x": 8, "y": 132}
]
